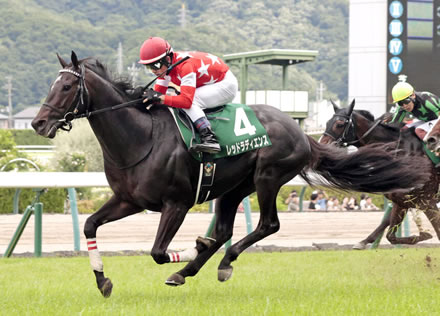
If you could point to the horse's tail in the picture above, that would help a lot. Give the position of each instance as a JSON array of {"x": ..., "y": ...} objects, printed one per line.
[{"x": 373, "y": 168}]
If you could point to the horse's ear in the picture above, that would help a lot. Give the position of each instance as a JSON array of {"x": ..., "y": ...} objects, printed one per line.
[
  {"x": 75, "y": 62},
  {"x": 335, "y": 106},
  {"x": 62, "y": 61},
  {"x": 351, "y": 107}
]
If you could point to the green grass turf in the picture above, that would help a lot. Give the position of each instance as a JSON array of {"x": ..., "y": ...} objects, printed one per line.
[{"x": 380, "y": 282}]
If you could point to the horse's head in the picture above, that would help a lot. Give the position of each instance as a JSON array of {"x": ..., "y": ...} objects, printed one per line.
[
  {"x": 340, "y": 128},
  {"x": 67, "y": 97},
  {"x": 432, "y": 139}
]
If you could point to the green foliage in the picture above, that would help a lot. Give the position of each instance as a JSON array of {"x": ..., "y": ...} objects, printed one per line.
[
  {"x": 9, "y": 152},
  {"x": 53, "y": 200},
  {"x": 78, "y": 150},
  {"x": 32, "y": 31},
  {"x": 28, "y": 137},
  {"x": 72, "y": 162}
]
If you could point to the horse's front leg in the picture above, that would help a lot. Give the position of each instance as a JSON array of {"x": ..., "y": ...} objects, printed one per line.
[
  {"x": 225, "y": 211},
  {"x": 172, "y": 216},
  {"x": 226, "y": 208},
  {"x": 113, "y": 210}
]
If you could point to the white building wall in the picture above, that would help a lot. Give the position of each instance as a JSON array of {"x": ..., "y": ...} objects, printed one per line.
[
  {"x": 22, "y": 123},
  {"x": 368, "y": 55}
]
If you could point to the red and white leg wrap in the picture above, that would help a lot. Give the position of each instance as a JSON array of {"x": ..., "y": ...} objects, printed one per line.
[
  {"x": 94, "y": 256},
  {"x": 183, "y": 256}
]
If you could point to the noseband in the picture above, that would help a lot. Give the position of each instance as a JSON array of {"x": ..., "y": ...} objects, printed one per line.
[
  {"x": 74, "y": 109},
  {"x": 348, "y": 132}
]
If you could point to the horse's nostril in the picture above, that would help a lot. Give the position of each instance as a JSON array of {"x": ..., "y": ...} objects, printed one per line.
[
  {"x": 38, "y": 124},
  {"x": 431, "y": 140}
]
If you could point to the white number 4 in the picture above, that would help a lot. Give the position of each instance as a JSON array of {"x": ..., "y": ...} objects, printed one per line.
[{"x": 242, "y": 119}]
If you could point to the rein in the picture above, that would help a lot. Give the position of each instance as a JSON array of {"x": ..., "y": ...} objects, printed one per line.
[
  {"x": 82, "y": 93},
  {"x": 349, "y": 122}
]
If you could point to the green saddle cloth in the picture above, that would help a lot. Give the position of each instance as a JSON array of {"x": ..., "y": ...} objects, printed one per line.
[
  {"x": 237, "y": 129},
  {"x": 431, "y": 155}
]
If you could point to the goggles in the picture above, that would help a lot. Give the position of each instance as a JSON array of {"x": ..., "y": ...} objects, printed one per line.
[
  {"x": 154, "y": 66},
  {"x": 404, "y": 101}
]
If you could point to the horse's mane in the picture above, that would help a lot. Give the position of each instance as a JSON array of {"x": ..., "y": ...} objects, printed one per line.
[
  {"x": 395, "y": 127},
  {"x": 122, "y": 84},
  {"x": 366, "y": 114}
]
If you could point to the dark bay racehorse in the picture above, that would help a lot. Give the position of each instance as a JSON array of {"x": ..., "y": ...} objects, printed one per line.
[
  {"x": 358, "y": 128},
  {"x": 148, "y": 167}
]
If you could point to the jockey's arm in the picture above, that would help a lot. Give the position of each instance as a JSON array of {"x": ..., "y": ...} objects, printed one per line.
[
  {"x": 188, "y": 84},
  {"x": 399, "y": 115}
]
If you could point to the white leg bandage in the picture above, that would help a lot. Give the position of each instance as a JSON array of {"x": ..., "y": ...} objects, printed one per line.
[
  {"x": 183, "y": 256},
  {"x": 94, "y": 256}
]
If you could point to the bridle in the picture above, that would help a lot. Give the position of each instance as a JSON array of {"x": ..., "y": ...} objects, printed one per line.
[
  {"x": 348, "y": 135},
  {"x": 349, "y": 131},
  {"x": 82, "y": 107},
  {"x": 79, "y": 101}
]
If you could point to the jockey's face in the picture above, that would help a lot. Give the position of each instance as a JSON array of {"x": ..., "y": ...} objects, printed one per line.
[
  {"x": 157, "y": 71},
  {"x": 162, "y": 70},
  {"x": 408, "y": 104}
]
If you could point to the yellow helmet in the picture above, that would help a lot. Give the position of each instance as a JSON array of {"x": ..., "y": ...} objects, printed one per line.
[{"x": 401, "y": 91}]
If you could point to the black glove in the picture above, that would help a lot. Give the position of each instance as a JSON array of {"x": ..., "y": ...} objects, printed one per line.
[{"x": 150, "y": 96}]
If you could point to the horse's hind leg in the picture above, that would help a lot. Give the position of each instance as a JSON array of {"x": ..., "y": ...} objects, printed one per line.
[
  {"x": 226, "y": 209},
  {"x": 433, "y": 214},
  {"x": 267, "y": 225},
  {"x": 397, "y": 216},
  {"x": 375, "y": 234},
  {"x": 113, "y": 210}
]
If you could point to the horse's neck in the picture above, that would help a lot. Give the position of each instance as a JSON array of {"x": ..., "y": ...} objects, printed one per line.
[
  {"x": 378, "y": 134},
  {"x": 124, "y": 134},
  {"x": 382, "y": 134}
]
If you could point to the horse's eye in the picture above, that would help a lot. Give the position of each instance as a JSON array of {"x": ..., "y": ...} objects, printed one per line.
[
  {"x": 67, "y": 87},
  {"x": 339, "y": 125}
]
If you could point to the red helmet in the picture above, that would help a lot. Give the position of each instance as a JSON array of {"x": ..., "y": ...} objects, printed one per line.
[{"x": 153, "y": 50}]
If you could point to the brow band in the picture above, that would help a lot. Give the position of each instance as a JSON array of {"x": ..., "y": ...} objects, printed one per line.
[{"x": 71, "y": 71}]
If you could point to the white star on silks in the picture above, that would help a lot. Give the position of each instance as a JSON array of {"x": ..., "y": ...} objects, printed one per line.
[
  {"x": 203, "y": 70},
  {"x": 182, "y": 55},
  {"x": 213, "y": 58},
  {"x": 211, "y": 81}
]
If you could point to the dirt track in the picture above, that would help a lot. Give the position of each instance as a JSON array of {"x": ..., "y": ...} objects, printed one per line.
[{"x": 137, "y": 232}]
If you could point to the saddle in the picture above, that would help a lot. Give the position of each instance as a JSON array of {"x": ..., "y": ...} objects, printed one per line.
[{"x": 238, "y": 130}]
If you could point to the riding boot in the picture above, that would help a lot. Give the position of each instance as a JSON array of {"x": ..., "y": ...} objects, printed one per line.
[{"x": 209, "y": 143}]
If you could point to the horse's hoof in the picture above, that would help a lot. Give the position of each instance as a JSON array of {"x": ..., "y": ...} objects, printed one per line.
[
  {"x": 175, "y": 280},
  {"x": 359, "y": 246},
  {"x": 224, "y": 274},
  {"x": 424, "y": 236},
  {"x": 106, "y": 288}
]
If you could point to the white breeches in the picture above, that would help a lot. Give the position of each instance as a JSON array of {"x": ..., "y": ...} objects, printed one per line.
[
  {"x": 426, "y": 126},
  {"x": 213, "y": 95}
]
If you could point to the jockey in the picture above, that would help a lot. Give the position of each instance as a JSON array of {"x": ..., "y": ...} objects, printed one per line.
[
  {"x": 205, "y": 82},
  {"x": 425, "y": 106}
]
